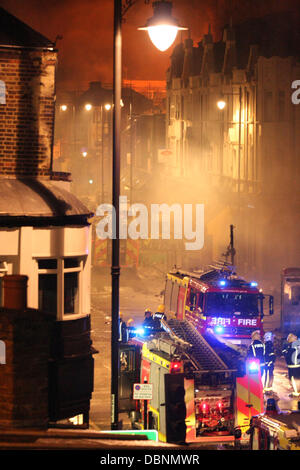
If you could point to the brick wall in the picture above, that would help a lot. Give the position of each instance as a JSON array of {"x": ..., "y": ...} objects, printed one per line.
[
  {"x": 26, "y": 119},
  {"x": 24, "y": 377}
]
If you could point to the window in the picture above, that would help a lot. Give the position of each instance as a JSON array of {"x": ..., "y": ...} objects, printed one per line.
[
  {"x": 230, "y": 303},
  {"x": 59, "y": 286},
  {"x": 2, "y": 92},
  {"x": 71, "y": 293},
  {"x": 3, "y": 271},
  {"x": 2, "y": 352},
  {"x": 168, "y": 293},
  {"x": 268, "y": 106},
  {"x": 174, "y": 298},
  {"x": 193, "y": 299},
  {"x": 48, "y": 293}
]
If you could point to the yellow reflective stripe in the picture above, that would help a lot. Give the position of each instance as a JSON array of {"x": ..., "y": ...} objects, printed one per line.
[{"x": 155, "y": 358}]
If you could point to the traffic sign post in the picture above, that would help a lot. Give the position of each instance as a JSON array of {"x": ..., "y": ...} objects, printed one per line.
[{"x": 143, "y": 392}]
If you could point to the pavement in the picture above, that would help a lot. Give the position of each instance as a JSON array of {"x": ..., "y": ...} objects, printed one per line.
[{"x": 139, "y": 288}]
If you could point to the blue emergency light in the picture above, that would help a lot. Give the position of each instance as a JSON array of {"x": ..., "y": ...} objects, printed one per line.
[
  {"x": 253, "y": 284},
  {"x": 140, "y": 331},
  {"x": 253, "y": 366},
  {"x": 222, "y": 283},
  {"x": 219, "y": 329}
]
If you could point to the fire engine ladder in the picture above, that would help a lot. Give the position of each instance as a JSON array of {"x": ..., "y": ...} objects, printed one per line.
[{"x": 202, "y": 353}]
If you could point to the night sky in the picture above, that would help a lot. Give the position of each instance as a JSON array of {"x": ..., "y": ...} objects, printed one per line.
[{"x": 85, "y": 52}]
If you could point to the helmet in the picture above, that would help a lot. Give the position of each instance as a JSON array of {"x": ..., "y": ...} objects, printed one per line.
[
  {"x": 161, "y": 308},
  {"x": 268, "y": 336},
  {"x": 291, "y": 337},
  {"x": 130, "y": 322},
  {"x": 255, "y": 334},
  {"x": 148, "y": 311}
]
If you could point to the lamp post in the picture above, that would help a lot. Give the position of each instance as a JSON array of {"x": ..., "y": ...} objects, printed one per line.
[
  {"x": 162, "y": 17},
  {"x": 103, "y": 112}
]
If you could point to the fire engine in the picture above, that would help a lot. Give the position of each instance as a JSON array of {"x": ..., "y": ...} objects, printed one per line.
[
  {"x": 290, "y": 300},
  {"x": 216, "y": 299},
  {"x": 202, "y": 390},
  {"x": 275, "y": 430}
]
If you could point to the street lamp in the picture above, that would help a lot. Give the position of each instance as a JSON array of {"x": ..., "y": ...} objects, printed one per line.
[
  {"x": 165, "y": 8},
  {"x": 221, "y": 104},
  {"x": 162, "y": 27}
]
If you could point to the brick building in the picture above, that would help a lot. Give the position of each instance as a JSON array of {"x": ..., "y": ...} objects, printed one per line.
[
  {"x": 44, "y": 229},
  {"x": 244, "y": 154}
]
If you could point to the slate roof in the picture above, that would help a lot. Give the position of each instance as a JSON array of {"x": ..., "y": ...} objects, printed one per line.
[
  {"x": 15, "y": 33},
  {"x": 38, "y": 199}
]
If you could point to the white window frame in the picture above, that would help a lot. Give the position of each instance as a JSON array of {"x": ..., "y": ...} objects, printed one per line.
[{"x": 60, "y": 272}]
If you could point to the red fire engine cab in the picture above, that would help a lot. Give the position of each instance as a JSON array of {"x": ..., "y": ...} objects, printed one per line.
[{"x": 217, "y": 300}]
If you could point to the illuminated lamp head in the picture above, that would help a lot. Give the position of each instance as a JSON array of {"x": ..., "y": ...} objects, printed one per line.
[
  {"x": 162, "y": 27},
  {"x": 253, "y": 284},
  {"x": 222, "y": 283},
  {"x": 221, "y": 104}
]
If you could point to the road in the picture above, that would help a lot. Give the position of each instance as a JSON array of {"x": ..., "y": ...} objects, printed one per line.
[{"x": 143, "y": 289}]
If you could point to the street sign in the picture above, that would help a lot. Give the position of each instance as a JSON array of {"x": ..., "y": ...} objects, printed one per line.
[{"x": 142, "y": 391}]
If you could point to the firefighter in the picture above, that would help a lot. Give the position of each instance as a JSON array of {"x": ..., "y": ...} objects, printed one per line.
[
  {"x": 159, "y": 315},
  {"x": 123, "y": 330},
  {"x": 270, "y": 358},
  {"x": 160, "y": 312},
  {"x": 257, "y": 350},
  {"x": 149, "y": 322},
  {"x": 292, "y": 356},
  {"x": 130, "y": 327}
]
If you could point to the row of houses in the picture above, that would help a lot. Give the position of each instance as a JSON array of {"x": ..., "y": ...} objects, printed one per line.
[{"x": 233, "y": 134}]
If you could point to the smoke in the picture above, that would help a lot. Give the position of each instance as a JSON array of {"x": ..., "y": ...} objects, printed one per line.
[{"x": 86, "y": 51}]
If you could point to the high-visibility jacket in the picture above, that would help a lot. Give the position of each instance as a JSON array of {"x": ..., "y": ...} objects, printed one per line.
[
  {"x": 123, "y": 332},
  {"x": 257, "y": 349},
  {"x": 292, "y": 354},
  {"x": 270, "y": 356}
]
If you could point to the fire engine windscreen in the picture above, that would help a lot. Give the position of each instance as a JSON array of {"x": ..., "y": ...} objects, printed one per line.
[{"x": 231, "y": 303}]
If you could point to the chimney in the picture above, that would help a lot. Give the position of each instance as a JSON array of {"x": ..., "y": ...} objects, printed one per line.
[{"x": 15, "y": 292}]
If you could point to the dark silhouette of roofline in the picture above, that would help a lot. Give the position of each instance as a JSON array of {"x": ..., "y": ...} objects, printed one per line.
[{"x": 16, "y": 34}]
